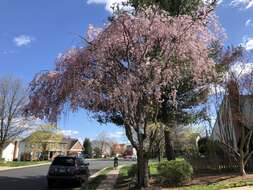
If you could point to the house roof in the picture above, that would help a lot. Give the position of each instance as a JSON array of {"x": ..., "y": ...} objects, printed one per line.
[
  {"x": 11, "y": 142},
  {"x": 70, "y": 142}
]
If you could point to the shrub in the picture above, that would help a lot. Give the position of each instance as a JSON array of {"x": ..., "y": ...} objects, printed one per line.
[
  {"x": 174, "y": 172},
  {"x": 132, "y": 171}
]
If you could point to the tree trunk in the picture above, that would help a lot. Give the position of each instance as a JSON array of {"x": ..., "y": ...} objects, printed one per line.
[
  {"x": 242, "y": 167},
  {"x": 169, "y": 149},
  {"x": 159, "y": 155},
  {"x": 142, "y": 165},
  {"x": 1, "y": 151}
]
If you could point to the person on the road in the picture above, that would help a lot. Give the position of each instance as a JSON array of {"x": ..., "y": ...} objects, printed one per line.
[{"x": 116, "y": 162}]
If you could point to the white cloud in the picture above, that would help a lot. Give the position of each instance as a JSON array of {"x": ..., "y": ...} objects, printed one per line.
[
  {"x": 242, "y": 69},
  {"x": 248, "y": 23},
  {"x": 69, "y": 132},
  {"x": 245, "y": 3},
  {"x": 220, "y": 1},
  {"x": 248, "y": 43},
  {"x": 23, "y": 40},
  {"x": 117, "y": 135},
  {"x": 108, "y": 3}
]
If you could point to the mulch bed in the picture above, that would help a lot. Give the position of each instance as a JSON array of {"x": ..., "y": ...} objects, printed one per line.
[{"x": 203, "y": 179}]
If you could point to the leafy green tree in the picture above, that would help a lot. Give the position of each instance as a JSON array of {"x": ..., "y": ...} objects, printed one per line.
[
  {"x": 173, "y": 7},
  {"x": 87, "y": 147}
]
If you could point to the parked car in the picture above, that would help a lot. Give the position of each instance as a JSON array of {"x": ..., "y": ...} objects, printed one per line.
[
  {"x": 84, "y": 155},
  {"x": 68, "y": 169},
  {"x": 130, "y": 157}
]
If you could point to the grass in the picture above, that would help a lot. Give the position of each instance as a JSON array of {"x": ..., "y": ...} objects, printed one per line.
[
  {"x": 21, "y": 163},
  {"x": 124, "y": 180},
  {"x": 123, "y": 175},
  {"x": 153, "y": 169},
  {"x": 97, "y": 180}
]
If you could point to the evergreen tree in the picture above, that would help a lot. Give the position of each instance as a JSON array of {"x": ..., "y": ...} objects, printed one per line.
[
  {"x": 87, "y": 147},
  {"x": 173, "y": 7}
]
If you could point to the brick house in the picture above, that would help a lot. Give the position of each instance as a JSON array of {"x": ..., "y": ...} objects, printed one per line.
[{"x": 65, "y": 146}]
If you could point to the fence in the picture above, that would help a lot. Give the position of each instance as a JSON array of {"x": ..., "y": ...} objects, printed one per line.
[{"x": 213, "y": 164}]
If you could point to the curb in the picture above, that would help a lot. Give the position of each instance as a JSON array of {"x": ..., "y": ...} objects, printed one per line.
[
  {"x": 100, "y": 171},
  {"x": 97, "y": 173},
  {"x": 21, "y": 167}
]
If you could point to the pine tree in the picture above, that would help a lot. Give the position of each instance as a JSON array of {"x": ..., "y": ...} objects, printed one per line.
[{"x": 87, "y": 148}]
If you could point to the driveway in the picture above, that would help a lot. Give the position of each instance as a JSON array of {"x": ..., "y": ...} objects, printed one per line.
[{"x": 34, "y": 178}]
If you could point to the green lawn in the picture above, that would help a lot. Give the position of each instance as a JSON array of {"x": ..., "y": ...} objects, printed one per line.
[
  {"x": 123, "y": 175},
  {"x": 153, "y": 168},
  {"x": 21, "y": 163},
  {"x": 124, "y": 179},
  {"x": 97, "y": 180}
]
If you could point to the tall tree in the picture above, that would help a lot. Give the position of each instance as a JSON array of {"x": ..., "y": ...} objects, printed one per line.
[
  {"x": 97, "y": 152},
  {"x": 176, "y": 7},
  {"x": 188, "y": 93},
  {"x": 87, "y": 147},
  {"x": 123, "y": 70},
  {"x": 104, "y": 143},
  {"x": 174, "y": 115},
  {"x": 12, "y": 100}
]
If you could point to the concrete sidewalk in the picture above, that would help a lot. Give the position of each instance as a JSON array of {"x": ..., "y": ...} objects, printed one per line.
[{"x": 110, "y": 180}]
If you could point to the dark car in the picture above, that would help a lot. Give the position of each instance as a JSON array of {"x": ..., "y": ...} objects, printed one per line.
[{"x": 68, "y": 169}]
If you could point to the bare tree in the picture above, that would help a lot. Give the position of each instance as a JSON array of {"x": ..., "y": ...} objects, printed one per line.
[
  {"x": 12, "y": 99},
  {"x": 104, "y": 143}
]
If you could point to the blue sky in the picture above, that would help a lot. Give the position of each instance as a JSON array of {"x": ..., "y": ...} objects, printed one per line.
[{"x": 33, "y": 33}]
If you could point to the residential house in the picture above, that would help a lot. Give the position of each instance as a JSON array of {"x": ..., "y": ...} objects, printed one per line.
[
  {"x": 130, "y": 151},
  {"x": 118, "y": 149},
  {"x": 10, "y": 151},
  {"x": 74, "y": 147},
  {"x": 64, "y": 146},
  {"x": 225, "y": 130},
  {"x": 28, "y": 151}
]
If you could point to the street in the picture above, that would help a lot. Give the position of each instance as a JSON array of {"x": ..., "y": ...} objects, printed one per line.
[{"x": 34, "y": 178}]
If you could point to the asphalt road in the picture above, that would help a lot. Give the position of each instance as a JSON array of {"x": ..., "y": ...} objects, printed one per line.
[{"x": 34, "y": 178}]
